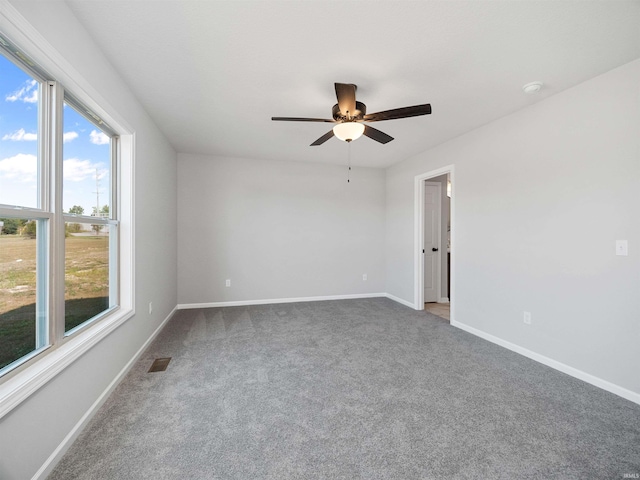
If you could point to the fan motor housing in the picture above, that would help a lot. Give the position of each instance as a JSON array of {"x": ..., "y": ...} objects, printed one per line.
[{"x": 361, "y": 111}]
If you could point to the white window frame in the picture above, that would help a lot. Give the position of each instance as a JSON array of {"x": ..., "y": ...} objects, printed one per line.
[
  {"x": 112, "y": 223},
  {"x": 17, "y": 385}
]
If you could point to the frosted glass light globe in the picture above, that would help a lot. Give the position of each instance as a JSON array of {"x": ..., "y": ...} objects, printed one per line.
[{"x": 348, "y": 131}]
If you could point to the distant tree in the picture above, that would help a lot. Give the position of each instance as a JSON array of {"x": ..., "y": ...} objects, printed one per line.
[
  {"x": 29, "y": 229},
  {"x": 12, "y": 225},
  {"x": 104, "y": 212},
  {"x": 73, "y": 228},
  {"x": 76, "y": 210}
]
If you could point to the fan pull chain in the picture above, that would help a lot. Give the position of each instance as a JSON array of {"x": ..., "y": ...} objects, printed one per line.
[{"x": 349, "y": 161}]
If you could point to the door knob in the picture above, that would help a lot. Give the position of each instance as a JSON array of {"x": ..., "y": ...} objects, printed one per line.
[{"x": 434, "y": 249}]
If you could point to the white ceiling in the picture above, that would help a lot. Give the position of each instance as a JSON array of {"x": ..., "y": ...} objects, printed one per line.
[{"x": 213, "y": 73}]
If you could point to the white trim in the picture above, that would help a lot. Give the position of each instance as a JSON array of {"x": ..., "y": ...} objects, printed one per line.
[
  {"x": 126, "y": 215},
  {"x": 19, "y": 387},
  {"x": 21, "y": 384},
  {"x": 574, "y": 372},
  {"x": 418, "y": 234},
  {"x": 443, "y": 300},
  {"x": 61, "y": 449},
  {"x": 268, "y": 301},
  {"x": 24, "y": 212},
  {"x": 401, "y": 301},
  {"x": 30, "y": 40}
]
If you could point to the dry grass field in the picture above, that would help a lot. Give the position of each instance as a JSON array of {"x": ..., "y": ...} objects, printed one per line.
[{"x": 86, "y": 288}]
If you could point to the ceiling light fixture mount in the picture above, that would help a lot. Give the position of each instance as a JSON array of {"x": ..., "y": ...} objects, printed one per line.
[{"x": 532, "y": 88}]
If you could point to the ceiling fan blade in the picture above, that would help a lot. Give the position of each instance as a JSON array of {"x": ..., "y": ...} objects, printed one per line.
[
  {"x": 376, "y": 134},
  {"x": 346, "y": 93},
  {"x": 396, "y": 113},
  {"x": 298, "y": 119},
  {"x": 323, "y": 138}
]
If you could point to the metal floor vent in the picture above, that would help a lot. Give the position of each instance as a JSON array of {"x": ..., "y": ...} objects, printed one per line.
[{"x": 159, "y": 364}]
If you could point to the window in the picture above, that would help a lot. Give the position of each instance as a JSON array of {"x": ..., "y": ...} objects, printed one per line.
[
  {"x": 59, "y": 225},
  {"x": 88, "y": 157}
]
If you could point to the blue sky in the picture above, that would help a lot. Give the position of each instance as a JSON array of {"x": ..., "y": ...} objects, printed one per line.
[{"x": 85, "y": 147}]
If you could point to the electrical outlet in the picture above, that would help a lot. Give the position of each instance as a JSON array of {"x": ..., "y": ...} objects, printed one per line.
[
  {"x": 150, "y": 308},
  {"x": 622, "y": 248},
  {"x": 526, "y": 318},
  {"x": 228, "y": 282},
  {"x": 364, "y": 277}
]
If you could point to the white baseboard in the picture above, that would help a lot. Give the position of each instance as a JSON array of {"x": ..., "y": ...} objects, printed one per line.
[
  {"x": 443, "y": 300},
  {"x": 400, "y": 300},
  {"x": 62, "y": 448},
  {"x": 268, "y": 301},
  {"x": 574, "y": 372}
]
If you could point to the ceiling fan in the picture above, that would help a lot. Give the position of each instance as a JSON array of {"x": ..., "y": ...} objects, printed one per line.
[{"x": 348, "y": 115}]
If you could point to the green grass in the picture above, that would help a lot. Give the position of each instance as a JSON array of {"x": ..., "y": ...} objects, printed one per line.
[
  {"x": 80, "y": 310},
  {"x": 17, "y": 333},
  {"x": 86, "y": 288},
  {"x": 18, "y": 327}
]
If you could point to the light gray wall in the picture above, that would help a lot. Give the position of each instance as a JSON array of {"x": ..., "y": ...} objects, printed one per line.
[
  {"x": 277, "y": 229},
  {"x": 540, "y": 198},
  {"x": 32, "y": 431}
]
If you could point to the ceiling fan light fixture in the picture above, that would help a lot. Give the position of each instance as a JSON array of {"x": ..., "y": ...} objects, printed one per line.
[{"x": 348, "y": 131}]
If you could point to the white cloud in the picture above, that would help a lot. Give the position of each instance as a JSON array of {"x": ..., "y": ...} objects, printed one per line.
[
  {"x": 22, "y": 167},
  {"x": 98, "y": 138},
  {"x": 21, "y": 135},
  {"x": 76, "y": 170},
  {"x": 69, "y": 136},
  {"x": 28, "y": 93}
]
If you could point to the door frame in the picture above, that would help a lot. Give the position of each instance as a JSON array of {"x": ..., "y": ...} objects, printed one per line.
[{"x": 418, "y": 263}]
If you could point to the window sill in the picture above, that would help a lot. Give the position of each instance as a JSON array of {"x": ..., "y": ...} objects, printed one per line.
[{"x": 20, "y": 387}]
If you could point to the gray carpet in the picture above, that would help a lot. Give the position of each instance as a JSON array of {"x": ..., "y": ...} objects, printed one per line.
[{"x": 351, "y": 389}]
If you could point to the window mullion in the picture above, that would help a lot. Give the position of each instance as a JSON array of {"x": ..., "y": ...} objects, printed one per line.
[
  {"x": 43, "y": 226},
  {"x": 57, "y": 225},
  {"x": 44, "y": 143},
  {"x": 114, "y": 212},
  {"x": 114, "y": 227}
]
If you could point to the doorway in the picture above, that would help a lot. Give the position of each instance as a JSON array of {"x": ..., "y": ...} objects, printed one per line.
[{"x": 434, "y": 242}]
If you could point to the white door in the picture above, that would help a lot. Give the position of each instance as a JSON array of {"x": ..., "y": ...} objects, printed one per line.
[{"x": 431, "y": 240}]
